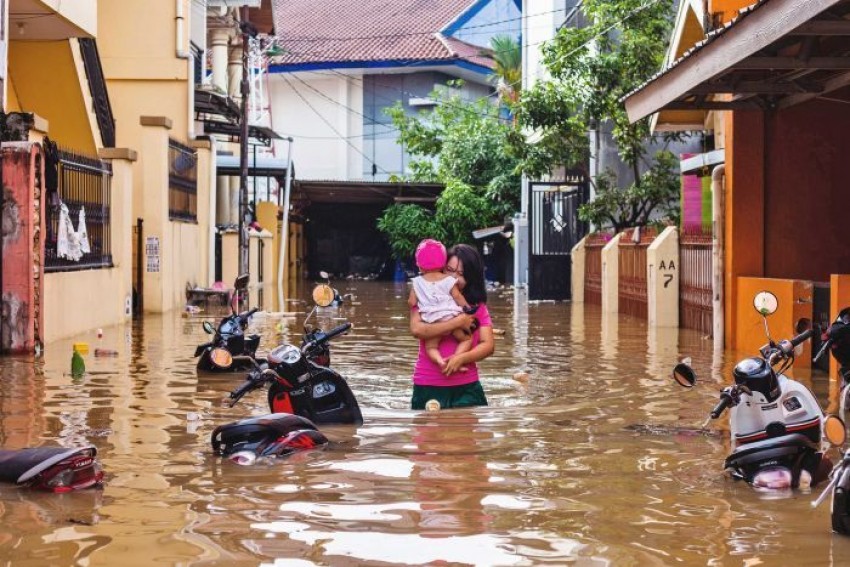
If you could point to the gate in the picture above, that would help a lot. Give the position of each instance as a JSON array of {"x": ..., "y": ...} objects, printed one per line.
[
  {"x": 138, "y": 266},
  {"x": 631, "y": 256},
  {"x": 593, "y": 267},
  {"x": 695, "y": 300},
  {"x": 554, "y": 229}
]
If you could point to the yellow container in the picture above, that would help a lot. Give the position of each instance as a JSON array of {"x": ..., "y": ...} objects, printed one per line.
[{"x": 82, "y": 348}]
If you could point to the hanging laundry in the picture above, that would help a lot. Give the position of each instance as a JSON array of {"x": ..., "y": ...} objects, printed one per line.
[
  {"x": 71, "y": 244},
  {"x": 82, "y": 233}
]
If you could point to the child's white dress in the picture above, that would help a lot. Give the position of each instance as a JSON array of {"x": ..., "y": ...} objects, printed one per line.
[{"x": 435, "y": 299}]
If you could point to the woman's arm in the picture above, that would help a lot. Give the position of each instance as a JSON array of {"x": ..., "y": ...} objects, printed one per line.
[
  {"x": 424, "y": 331},
  {"x": 485, "y": 347}
]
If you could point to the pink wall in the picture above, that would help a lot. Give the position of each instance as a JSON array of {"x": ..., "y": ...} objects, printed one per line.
[{"x": 23, "y": 248}]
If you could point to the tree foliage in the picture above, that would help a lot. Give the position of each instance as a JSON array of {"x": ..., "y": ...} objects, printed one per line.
[
  {"x": 463, "y": 145},
  {"x": 592, "y": 68}
]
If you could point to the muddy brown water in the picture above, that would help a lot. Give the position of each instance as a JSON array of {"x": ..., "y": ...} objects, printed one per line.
[{"x": 598, "y": 460}]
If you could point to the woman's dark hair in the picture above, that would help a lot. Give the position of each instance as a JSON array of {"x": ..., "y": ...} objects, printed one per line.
[{"x": 475, "y": 291}]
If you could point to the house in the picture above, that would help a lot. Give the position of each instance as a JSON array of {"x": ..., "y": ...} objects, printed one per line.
[
  {"x": 778, "y": 71},
  {"x": 344, "y": 64},
  {"x": 112, "y": 83}
]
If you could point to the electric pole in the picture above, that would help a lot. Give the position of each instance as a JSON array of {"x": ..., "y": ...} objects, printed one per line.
[{"x": 246, "y": 29}]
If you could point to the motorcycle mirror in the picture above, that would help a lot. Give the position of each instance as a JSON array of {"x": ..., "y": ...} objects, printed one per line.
[
  {"x": 834, "y": 430},
  {"x": 803, "y": 325},
  {"x": 208, "y": 328},
  {"x": 684, "y": 375},
  {"x": 765, "y": 303},
  {"x": 221, "y": 357},
  {"x": 241, "y": 282},
  {"x": 323, "y": 295}
]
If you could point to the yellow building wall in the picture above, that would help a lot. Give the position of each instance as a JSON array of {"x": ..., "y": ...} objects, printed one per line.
[{"x": 47, "y": 78}]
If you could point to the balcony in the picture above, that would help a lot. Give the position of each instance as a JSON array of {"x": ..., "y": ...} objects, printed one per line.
[{"x": 40, "y": 20}]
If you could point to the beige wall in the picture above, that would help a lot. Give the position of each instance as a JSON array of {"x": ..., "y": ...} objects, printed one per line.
[
  {"x": 81, "y": 13},
  {"x": 70, "y": 306}
]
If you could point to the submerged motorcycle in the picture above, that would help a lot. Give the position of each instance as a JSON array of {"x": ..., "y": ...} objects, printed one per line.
[
  {"x": 56, "y": 469},
  {"x": 837, "y": 341},
  {"x": 230, "y": 350},
  {"x": 303, "y": 392},
  {"x": 776, "y": 422}
]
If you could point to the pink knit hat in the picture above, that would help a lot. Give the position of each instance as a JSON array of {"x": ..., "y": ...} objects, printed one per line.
[{"x": 430, "y": 254}]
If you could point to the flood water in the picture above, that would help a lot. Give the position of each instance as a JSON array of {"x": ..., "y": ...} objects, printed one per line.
[{"x": 598, "y": 460}]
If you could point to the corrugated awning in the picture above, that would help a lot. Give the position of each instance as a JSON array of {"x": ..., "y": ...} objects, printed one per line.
[{"x": 774, "y": 54}]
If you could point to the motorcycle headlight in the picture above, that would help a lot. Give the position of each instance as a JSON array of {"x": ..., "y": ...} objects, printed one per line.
[{"x": 221, "y": 357}]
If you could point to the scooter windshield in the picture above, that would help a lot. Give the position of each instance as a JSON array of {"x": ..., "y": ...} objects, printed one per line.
[{"x": 228, "y": 327}]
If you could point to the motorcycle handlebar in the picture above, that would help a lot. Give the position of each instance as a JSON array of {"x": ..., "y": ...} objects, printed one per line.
[
  {"x": 345, "y": 327},
  {"x": 801, "y": 338},
  {"x": 247, "y": 315},
  {"x": 725, "y": 402},
  {"x": 322, "y": 338},
  {"x": 826, "y": 344},
  {"x": 250, "y": 384}
]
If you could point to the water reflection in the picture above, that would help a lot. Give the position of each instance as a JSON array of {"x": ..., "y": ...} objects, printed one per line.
[{"x": 598, "y": 460}]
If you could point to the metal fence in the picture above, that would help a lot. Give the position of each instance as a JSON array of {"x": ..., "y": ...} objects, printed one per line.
[
  {"x": 695, "y": 299},
  {"x": 593, "y": 268},
  {"x": 182, "y": 182},
  {"x": 633, "y": 299},
  {"x": 83, "y": 185}
]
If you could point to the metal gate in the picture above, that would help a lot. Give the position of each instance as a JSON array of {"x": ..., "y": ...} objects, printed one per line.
[
  {"x": 695, "y": 296},
  {"x": 631, "y": 263},
  {"x": 554, "y": 229}
]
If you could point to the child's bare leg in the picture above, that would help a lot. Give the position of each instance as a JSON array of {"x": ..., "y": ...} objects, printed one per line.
[
  {"x": 433, "y": 351},
  {"x": 464, "y": 344}
]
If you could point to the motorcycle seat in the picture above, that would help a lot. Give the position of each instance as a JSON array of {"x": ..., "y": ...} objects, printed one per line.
[{"x": 772, "y": 447}]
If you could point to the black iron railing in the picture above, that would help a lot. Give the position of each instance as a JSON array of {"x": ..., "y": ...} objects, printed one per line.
[
  {"x": 83, "y": 184},
  {"x": 182, "y": 182},
  {"x": 97, "y": 87}
]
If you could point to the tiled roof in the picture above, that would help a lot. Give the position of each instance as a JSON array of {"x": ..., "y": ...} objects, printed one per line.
[{"x": 343, "y": 31}]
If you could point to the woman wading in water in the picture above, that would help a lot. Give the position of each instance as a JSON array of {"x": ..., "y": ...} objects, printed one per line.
[{"x": 456, "y": 383}]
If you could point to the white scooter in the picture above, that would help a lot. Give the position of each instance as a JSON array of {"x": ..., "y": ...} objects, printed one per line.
[{"x": 777, "y": 424}]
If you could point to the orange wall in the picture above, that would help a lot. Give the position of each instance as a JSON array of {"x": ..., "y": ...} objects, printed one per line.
[
  {"x": 727, "y": 9},
  {"x": 807, "y": 195},
  {"x": 744, "y": 229}
]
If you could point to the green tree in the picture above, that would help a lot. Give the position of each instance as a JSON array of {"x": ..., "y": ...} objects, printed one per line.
[
  {"x": 592, "y": 68},
  {"x": 463, "y": 145},
  {"x": 506, "y": 53}
]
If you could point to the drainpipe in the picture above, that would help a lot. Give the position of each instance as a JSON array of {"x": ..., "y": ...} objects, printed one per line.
[
  {"x": 282, "y": 259},
  {"x": 717, "y": 253},
  {"x": 178, "y": 23}
]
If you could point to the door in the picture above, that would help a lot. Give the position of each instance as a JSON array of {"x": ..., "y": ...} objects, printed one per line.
[{"x": 554, "y": 229}]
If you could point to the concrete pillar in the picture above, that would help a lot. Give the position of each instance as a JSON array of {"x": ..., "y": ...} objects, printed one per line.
[
  {"x": 121, "y": 213},
  {"x": 234, "y": 71},
  {"x": 234, "y": 201},
  {"x": 157, "y": 275},
  {"x": 206, "y": 207},
  {"x": 611, "y": 276},
  {"x": 662, "y": 279},
  {"x": 229, "y": 256},
  {"x": 222, "y": 202},
  {"x": 577, "y": 257},
  {"x": 219, "y": 41}
]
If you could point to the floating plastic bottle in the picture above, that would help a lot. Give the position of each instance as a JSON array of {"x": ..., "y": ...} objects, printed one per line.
[{"x": 78, "y": 365}]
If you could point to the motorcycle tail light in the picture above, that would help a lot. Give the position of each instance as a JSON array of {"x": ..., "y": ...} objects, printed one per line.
[
  {"x": 72, "y": 474},
  {"x": 243, "y": 458}
]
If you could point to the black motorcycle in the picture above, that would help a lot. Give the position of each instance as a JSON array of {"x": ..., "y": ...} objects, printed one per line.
[
  {"x": 836, "y": 340},
  {"x": 303, "y": 392},
  {"x": 56, "y": 469},
  {"x": 230, "y": 349}
]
